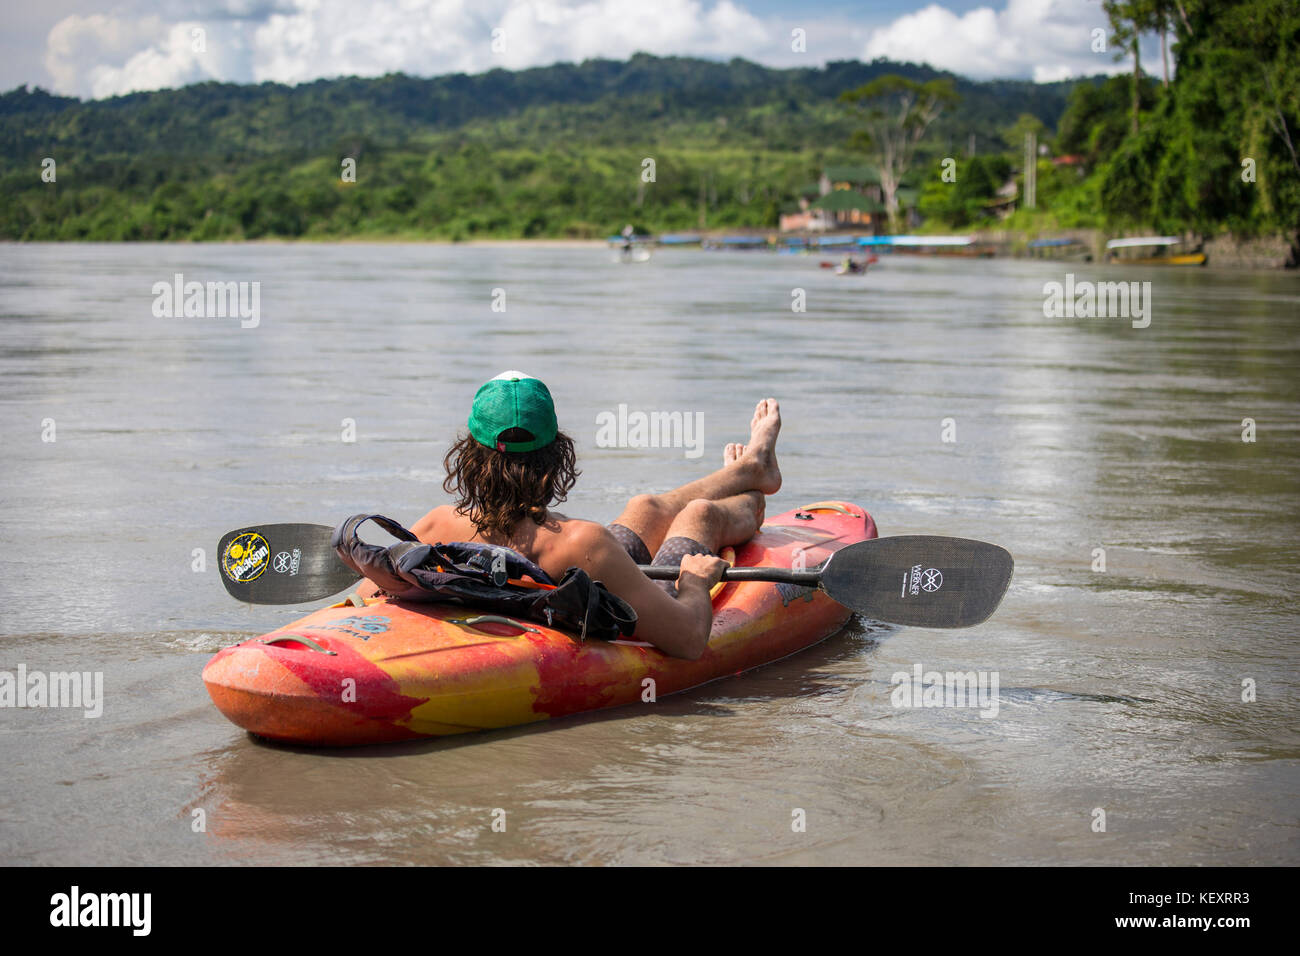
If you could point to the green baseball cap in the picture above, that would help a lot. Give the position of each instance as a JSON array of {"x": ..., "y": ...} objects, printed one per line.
[{"x": 513, "y": 400}]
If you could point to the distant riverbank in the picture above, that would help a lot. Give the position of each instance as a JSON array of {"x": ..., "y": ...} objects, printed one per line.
[
  {"x": 1225, "y": 251},
  {"x": 1267, "y": 252},
  {"x": 1264, "y": 252}
]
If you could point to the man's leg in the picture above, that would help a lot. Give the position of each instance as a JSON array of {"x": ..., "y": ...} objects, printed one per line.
[
  {"x": 705, "y": 526},
  {"x": 748, "y": 468},
  {"x": 717, "y": 524}
]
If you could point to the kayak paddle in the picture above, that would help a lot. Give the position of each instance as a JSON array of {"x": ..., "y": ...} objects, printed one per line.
[
  {"x": 916, "y": 580},
  {"x": 911, "y": 580}
]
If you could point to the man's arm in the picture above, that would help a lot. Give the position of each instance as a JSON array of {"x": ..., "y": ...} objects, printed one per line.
[{"x": 677, "y": 626}]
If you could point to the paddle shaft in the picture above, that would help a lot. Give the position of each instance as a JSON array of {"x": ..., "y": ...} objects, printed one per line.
[{"x": 808, "y": 578}]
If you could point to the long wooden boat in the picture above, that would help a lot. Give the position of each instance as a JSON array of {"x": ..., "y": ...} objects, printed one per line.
[{"x": 1149, "y": 242}]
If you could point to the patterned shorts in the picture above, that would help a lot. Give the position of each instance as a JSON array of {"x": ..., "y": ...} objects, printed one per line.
[{"x": 670, "y": 552}]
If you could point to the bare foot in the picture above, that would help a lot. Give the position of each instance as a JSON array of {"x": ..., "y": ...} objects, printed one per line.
[
  {"x": 760, "y": 453},
  {"x": 731, "y": 453}
]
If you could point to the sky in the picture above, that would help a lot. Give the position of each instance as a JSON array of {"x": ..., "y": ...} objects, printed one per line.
[{"x": 98, "y": 49}]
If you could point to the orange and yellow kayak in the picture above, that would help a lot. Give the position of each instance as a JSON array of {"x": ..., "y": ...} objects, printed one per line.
[{"x": 392, "y": 670}]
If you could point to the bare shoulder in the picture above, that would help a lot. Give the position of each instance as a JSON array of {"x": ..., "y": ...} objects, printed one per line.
[
  {"x": 430, "y": 528},
  {"x": 573, "y": 542},
  {"x": 584, "y": 542}
]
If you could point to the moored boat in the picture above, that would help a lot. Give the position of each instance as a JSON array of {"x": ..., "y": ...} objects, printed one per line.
[
  {"x": 1167, "y": 258},
  {"x": 928, "y": 245}
]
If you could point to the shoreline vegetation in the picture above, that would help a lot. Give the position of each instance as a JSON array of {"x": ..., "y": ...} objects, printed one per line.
[{"x": 572, "y": 153}]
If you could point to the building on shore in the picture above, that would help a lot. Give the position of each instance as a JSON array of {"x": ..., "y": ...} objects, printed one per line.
[{"x": 846, "y": 197}]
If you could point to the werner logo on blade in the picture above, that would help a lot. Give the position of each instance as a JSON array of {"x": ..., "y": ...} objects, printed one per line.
[
  {"x": 928, "y": 580},
  {"x": 288, "y": 562}
]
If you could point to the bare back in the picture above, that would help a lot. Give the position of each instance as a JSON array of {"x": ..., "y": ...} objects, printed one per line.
[
  {"x": 561, "y": 543},
  {"x": 551, "y": 545}
]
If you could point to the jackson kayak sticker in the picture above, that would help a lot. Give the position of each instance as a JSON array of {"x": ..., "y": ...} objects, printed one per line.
[
  {"x": 246, "y": 557},
  {"x": 928, "y": 580}
]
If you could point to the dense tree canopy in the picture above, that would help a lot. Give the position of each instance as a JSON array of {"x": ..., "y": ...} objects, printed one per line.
[
  {"x": 1214, "y": 149},
  {"x": 1217, "y": 148},
  {"x": 555, "y": 151}
]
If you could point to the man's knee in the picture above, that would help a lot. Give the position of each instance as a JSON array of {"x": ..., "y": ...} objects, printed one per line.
[{"x": 648, "y": 505}]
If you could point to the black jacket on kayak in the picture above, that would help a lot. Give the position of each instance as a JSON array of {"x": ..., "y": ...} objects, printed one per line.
[{"x": 483, "y": 576}]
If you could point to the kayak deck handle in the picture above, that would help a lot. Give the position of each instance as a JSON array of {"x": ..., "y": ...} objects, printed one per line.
[
  {"x": 492, "y": 619},
  {"x": 298, "y": 639},
  {"x": 828, "y": 506}
]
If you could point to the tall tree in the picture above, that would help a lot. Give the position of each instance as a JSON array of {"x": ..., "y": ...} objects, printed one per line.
[
  {"x": 1162, "y": 15},
  {"x": 1126, "y": 23},
  {"x": 896, "y": 112}
]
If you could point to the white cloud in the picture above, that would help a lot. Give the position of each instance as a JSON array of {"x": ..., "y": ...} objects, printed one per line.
[
  {"x": 76, "y": 43},
  {"x": 1045, "y": 39},
  {"x": 326, "y": 38},
  {"x": 103, "y": 55},
  {"x": 340, "y": 38},
  {"x": 179, "y": 58},
  {"x": 292, "y": 41},
  {"x": 1053, "y": 74}
]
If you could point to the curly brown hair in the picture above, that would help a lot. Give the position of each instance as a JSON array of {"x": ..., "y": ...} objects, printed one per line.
[{"x": 498, "y": 489}]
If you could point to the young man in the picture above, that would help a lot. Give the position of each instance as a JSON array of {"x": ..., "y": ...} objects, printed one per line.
[{"x": 515, "y": 463}]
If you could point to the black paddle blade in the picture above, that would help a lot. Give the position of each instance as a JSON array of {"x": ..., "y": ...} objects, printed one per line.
[
  {"x": 920, "y": 580},
  {"x": 282, "y": 564}
]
